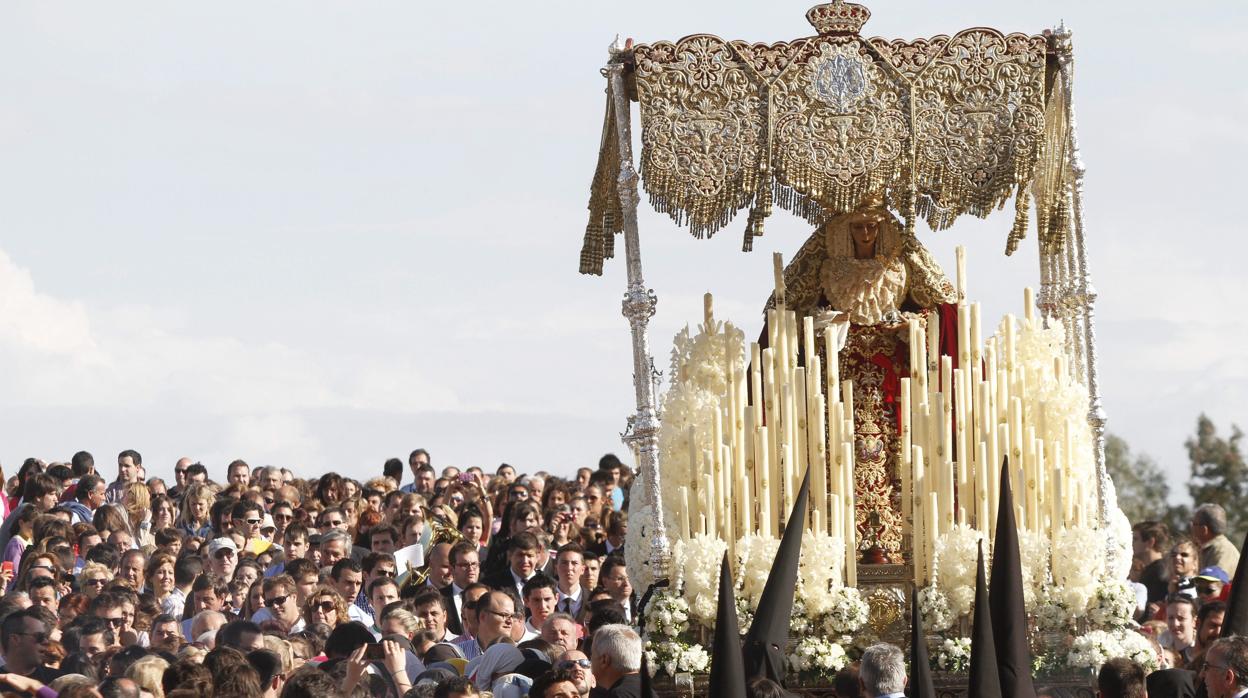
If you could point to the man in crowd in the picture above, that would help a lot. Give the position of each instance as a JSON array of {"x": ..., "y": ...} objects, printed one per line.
[
  {"x": 347, "y": 578},
  {"x": 579, "y": 664},
  {"x": 561, "y": 630},
  {"x": 555, "y": 684},
  {"x": 430, "y": 607},
  {"x": 1208, "y": 628},
  {"x": 883, "y": 672},
  {"x": 281, "y": 602},
  {"x": 1226, "y": 668},
  {"x": 569, "y": 568},
  {"x": 465, "y": 570},
  {"x": 540, "y": 597},
  {"x": 179, "y": 477},
  {"x": 222, "y": 557},
  {"x": 129, "y": 469},
  {"x": 522, "y": 554},
  {"x": 238, "y": 473},
  {"x": 439, "y": 566},
  {"x": 1149, "y": 541},
  {"x": 24, "y": 638},
  {"x": 1120, "y": 678},
  {"x": 616, "y": 661},
  {"x": 89, "y": 494},
  {"x": 614, "y": 579},
  {"x": 496, "y": 612},
  {"x": 1208, "y": 529},
  {"x": 423, "y": 475}
]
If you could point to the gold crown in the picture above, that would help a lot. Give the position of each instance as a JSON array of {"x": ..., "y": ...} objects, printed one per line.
[{"x": 838, "y": 17}]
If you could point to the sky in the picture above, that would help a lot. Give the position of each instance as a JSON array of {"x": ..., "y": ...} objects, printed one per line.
[{"x": 318, "y": 234}]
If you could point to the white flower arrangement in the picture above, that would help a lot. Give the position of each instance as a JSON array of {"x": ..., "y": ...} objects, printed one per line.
[
  {"x": 1033, "y": 554},
  {"x": 934, "y": 609},
  {"x": 1092, "y": 650},
  {"x": 755, "y": 554},
  {"x": 667, "y": 615},
  {"x": 847, "y": 613},
  {"x": 953, "y": 655},
  {"x": 956, "y": 553},
  {"x": 745, "y": 614},
  {"x": 1051, "y": 612},
  {"x": 637, "y": 541},
  {"x": 799, "y": 620},
  {"x": 696, "y": 563},
  {"x": 817, "y": 655},
  {"x": 1077, "y": 571},
  {"x": 1112, "y": 606},
  {"x": 819, "y": 571},
  {"x": 699, "y": 385},
  {"x": 673, "y": 657}
]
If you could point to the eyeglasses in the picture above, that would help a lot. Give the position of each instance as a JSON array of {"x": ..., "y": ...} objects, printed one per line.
[
  {"x": 115, "y": 622},
  {"x": 39, "y": 637},
  {"x": 42, "y": 567},
  {"x": 383, "y": 573},
  {"x": 571, "y": 663},
  {"x": 276, "y": 601},
  {"x": 253, "y": 522},
  {"x": 179, "y": 471},
  {"x": 468, "y": 565},
  {"x": 502, "y": 617},
  {"x": 96, "y": 582},
  {"x": 225, "y": 552},
  {"x": 325, "y": 606}
]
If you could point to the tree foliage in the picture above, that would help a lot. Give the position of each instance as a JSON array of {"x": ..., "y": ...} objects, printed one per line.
[
  {"x": 1219, "y": 473},
  {"x": 1143, "y": 494}
]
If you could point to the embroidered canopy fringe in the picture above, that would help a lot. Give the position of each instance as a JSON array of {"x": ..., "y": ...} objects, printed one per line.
[
  {"x": 605, "y": 216},
  {"x": 944, "y": 126}
]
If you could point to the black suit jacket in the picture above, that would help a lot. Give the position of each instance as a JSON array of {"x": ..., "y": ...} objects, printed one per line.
[
  {"x": 504, "y": 582},
  {"x": 628, "y": 687},
  {"x": 452, "y": 614}
]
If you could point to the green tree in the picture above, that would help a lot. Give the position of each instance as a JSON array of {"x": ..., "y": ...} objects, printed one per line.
[
  {"x": 1219, "y": 473},
  {"x": 1143, "y": 494}
]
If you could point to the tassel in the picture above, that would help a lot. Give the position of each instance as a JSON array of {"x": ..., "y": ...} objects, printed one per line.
[{"x": 1019, "y": 231}]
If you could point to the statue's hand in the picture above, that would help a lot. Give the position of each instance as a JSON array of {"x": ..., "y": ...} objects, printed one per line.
[{"x": 829, "y": 317}]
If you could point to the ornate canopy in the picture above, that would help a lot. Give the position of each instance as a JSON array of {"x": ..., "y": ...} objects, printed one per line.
[{"x": 939, "y": 127}]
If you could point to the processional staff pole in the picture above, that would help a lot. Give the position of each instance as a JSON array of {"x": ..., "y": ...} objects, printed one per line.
[
  {"x": 642, "y": 434},
  {"x": 1083, "y": 292}
]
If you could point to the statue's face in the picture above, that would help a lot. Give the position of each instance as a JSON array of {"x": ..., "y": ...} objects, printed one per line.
[{"x": 864, "y": 231}]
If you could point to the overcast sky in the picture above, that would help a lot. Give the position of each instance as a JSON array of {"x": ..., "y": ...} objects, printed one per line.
[{"x": 321, "y": 234}]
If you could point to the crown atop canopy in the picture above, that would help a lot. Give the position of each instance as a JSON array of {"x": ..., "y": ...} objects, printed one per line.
[{"x": 838, "y": 17}]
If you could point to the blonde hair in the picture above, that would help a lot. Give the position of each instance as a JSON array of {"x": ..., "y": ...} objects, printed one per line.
[
  {"x": 283, "y": 649},
  {"x": 147, "y": 673}
]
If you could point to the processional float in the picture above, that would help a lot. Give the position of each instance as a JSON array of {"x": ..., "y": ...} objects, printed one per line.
[{"x": 881, "y": 386}]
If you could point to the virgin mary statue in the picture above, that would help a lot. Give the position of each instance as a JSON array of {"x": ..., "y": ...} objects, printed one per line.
[{"x": 864, "y": 275}]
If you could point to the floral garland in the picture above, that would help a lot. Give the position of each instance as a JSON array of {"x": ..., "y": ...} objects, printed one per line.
[
  {"x": 818, "y": 656},
  {"x": 953, "y": 655},
  {"x": 755, "y": 554},
  {"x": 1092, "y": 650},
  {"x": 934, "y": 609},
  {"x": 956, "y": 553},
  {"x": 1112, "y": 606},
  {"x": 1077, "y": 571},
  {"x": 847, "y": 613},
  {"x": 819, "y": 571},
  {"x": 1033, "y": 554},
  {"x": 667, "y": 615},
  {"x": 675, "y": 656},
  {"x": 695, "y": 563},
  {"x": 637, "y": 541},
  {"x": 1051, "y": 613}
]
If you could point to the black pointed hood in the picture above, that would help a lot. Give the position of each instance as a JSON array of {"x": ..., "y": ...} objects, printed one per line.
[
  {"x": 727, "y": 671},
  {"x": 1005, "y": 598},
  {"x": 984, "y": 681},
  {"x": 920, "y": 685},
  {"x": 763, "y": 651}
]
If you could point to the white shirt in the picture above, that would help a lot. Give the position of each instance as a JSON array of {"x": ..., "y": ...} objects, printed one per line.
[
  {"x": 356, "y": 613},
  {"x": 519, "y": 581},
  {"x": 457, "y": 597},
  {"x": 574, "y": 601}
]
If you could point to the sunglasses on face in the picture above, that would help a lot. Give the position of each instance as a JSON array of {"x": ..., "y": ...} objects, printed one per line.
[
  {"x": 325, "y": 606},
  {"x": 572, "y": 663},
  {"x": 116, "y": 622},
  {"x": 276, "y": 601},
  {"x": 224, "y": 553},
  {"x": 253, "y": 522},
  {"x": 96, "y": 582},
  {"x": 383, "y": 573}
]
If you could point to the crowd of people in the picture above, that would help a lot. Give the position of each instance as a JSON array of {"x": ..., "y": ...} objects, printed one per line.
[
  {"x": 1183, "y": 583},
  {"x": 418, "y": 582}
]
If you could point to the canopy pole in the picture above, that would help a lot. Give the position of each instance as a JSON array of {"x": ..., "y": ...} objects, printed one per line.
[
  {"x": 642, "y": 432},
  {"x": 1085, "y": 296}
]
